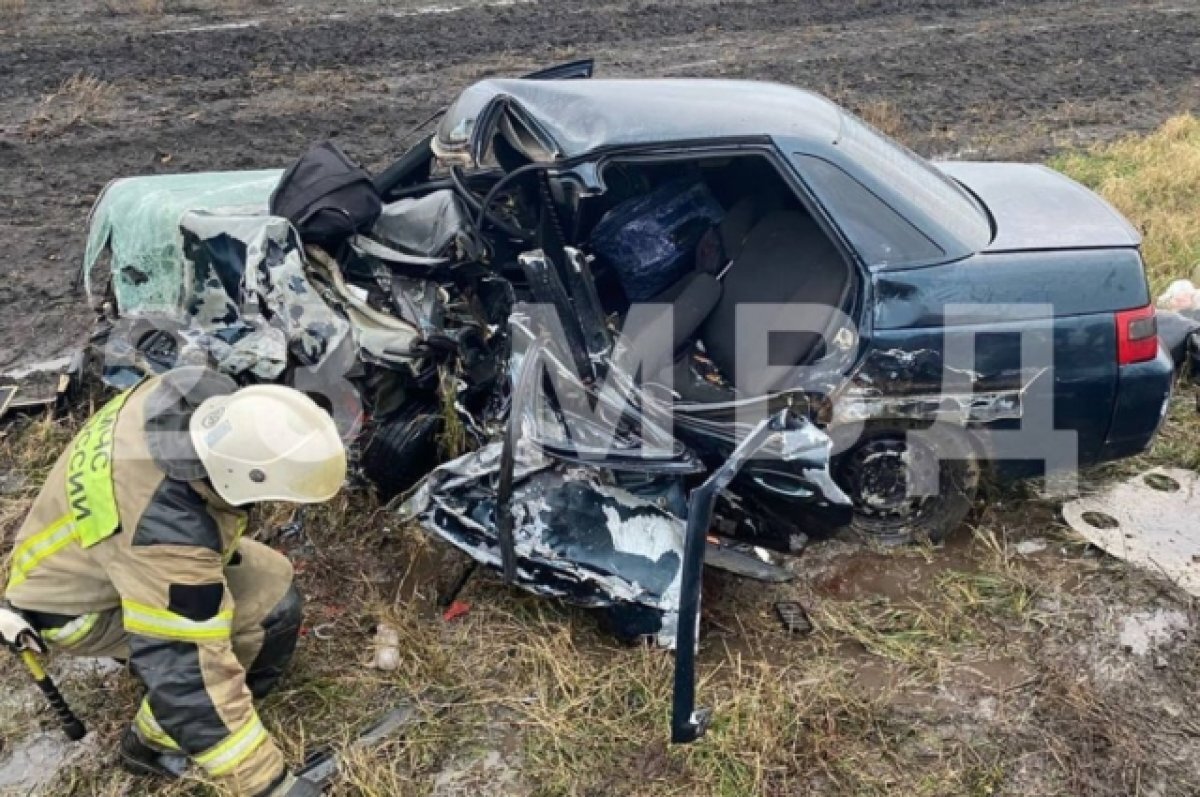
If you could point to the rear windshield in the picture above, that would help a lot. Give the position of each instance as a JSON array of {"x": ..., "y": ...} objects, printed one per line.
[
  {"x": 917, "y": 182},
  {"x": 880, "y": 235}
]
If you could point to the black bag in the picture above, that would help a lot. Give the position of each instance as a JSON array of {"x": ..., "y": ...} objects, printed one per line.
[{"x": 327, "y": 196}]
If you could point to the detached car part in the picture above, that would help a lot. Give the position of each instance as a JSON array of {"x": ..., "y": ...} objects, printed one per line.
[
  {"x": 1148, "y": 520},
  {"x": 798, "y": 443}
]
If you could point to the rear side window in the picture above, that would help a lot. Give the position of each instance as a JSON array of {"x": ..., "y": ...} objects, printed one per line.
[{"x": 881, "y": 236}]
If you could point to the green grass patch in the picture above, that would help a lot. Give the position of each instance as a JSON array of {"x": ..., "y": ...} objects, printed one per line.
[{"x": 1155, "y": 181}]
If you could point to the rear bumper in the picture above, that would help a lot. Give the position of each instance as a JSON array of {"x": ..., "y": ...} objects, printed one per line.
[{"x": 1143, "y": 395}]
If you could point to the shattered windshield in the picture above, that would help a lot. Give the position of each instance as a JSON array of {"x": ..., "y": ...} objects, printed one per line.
[{"x": 911, "y": 177}]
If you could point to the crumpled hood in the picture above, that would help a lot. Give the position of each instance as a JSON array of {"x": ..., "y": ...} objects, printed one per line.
[{"x": 1035, "y": 207}]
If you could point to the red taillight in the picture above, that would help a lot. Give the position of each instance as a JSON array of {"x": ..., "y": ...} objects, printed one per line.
[{"x": 1137, "y": 335}]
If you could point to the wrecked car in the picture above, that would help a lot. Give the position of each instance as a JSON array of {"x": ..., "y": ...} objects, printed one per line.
[{"x": 598, "y": 321}]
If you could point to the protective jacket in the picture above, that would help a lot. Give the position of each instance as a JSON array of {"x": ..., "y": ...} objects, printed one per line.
[{"x": 127, "y": 552}]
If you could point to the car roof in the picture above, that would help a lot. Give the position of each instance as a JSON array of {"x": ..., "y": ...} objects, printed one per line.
[{"x": 571, "y": 118}]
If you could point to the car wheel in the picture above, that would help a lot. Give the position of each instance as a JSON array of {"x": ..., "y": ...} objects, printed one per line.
[
  {"x": 402, "y": 451},
  {"x": 874, "y": 472}
]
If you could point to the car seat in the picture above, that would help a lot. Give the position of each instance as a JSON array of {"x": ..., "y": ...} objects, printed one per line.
[{"x": 783, "y": 257}]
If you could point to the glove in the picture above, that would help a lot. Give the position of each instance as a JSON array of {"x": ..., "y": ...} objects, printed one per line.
[
  {"x": 292, "y": 786},
  {"x": 17, "y": 634}
]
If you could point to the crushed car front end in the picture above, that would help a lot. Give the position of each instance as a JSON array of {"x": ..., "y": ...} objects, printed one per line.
[{"x": 588, "y": 339}]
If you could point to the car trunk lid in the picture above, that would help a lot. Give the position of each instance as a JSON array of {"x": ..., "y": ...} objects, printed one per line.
[{"x": 1036, "y": 208}]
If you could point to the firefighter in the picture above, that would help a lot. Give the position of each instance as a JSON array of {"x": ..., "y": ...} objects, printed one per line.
[{"x": 134, "y": 549}]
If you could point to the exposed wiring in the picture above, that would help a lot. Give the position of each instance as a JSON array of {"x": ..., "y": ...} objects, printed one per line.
[
  {"x": 477, "y": 211},
  {"x": 494, "y": 192}
]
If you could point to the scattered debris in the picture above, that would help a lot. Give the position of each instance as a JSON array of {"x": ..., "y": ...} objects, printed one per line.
[
  {"x": 387, "y": 648},
  {"x": 322, "y": 631},
  {"x": 292, "y": 530},
  {"x": 1031, "y": 546},
  {"x": 43, "y": 385},
  {"x": 1148, "y": 520},
  {"x": 1179, "y": 296},
  {"x": 320, "y": 767},
  {"x": 68, "y": 668},
  {"x": 794, "y": 617},
  {"x": 575, "y": 536},
  {"x": 456, "y": 610},
  {"x": 7, "y": 394},
  {"x": 1178, "y": 320},
  {"x": 748, "y": 561}
]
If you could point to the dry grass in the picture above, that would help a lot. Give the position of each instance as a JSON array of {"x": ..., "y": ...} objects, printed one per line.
[
  {"x": 148, "y": 8},
  {"x": 1155, "y": 181},
  {"x": 452, "y": 442},
  {"x": 303, "y": 91},
  {"x": 1178, "y": 442},
  {"x": 329, "y": 83},
  {"x": 28, "y": 450},
  {"x": 81, "y": 100},
  {"x": 239, "y": 6},
  {"x": 527, "y": 696},
  {"x": 941, "y": 626},
  {"x": 885, "y": 117}
]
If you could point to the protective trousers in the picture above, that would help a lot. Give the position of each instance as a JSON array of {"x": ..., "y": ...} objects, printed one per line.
[
  {"x": 130, "y": 556},
  {"x": 267, "y": 616}
]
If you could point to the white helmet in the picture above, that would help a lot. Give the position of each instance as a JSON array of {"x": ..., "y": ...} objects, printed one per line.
[{"x": 268, "y": 443}]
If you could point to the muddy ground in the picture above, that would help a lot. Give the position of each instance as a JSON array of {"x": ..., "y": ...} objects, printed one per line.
[
  {"x": 235, "y": 84},
  {"x": 1015, "y": 660}
]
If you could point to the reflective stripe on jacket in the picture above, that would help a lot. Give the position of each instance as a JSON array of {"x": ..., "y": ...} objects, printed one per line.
[{"x": 162, "y": 565}]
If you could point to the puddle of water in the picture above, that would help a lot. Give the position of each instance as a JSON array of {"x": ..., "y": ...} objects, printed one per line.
[
  {"x": 490, "y": 773},
  {"x": 876, "y": 677},
  {"x": 28, "y": 764},
  {"x": 896, "y": 576},
  {"x": 33, "y": 762},
  {"x": 999, "y": 673}
]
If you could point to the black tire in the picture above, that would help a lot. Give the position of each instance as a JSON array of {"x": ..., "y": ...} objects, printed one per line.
[
  {"x": 402, "y": 451},
  {"x": 873, "y": 472}
]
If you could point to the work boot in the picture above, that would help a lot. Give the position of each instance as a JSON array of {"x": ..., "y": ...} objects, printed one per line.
[{"x": 142, "y": 759}]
